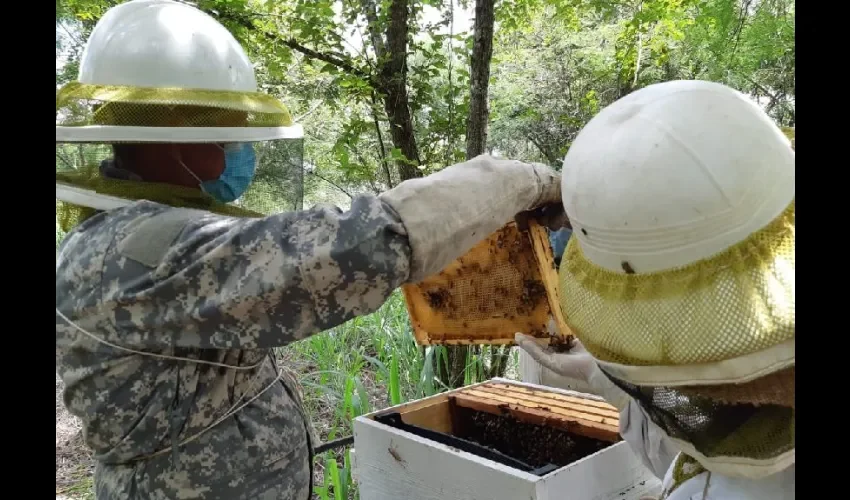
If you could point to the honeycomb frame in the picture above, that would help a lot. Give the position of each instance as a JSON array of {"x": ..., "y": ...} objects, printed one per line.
[{"x": 504, "y": 285}]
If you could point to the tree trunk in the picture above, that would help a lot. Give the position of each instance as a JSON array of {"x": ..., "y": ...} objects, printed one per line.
[
  {"x": 476, "y": 144},
  {"x": 479, "y": 78},
  {"x": 392, "y": 81}
]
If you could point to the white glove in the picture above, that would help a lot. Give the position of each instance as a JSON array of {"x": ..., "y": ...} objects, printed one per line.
[
  {"x": 652, "y": 446},
  {"x": 577, "y": 364},
  {"x": 449, "y": 212}
]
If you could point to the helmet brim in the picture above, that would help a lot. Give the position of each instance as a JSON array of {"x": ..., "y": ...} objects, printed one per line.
[{"x": 177, "y": 135}]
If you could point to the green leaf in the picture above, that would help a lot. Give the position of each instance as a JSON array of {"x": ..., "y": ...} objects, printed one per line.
[
  {"x": 332, "y": 470},
  {"x": 395, "y": 385}
]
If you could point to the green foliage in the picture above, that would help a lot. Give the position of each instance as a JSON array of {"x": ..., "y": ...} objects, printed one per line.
[
  {"x": 555, "y": 64},
  {"x": 560, "y": 62}
]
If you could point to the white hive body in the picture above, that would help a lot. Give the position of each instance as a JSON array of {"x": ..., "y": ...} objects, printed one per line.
[{"x": 391, "y": 463}]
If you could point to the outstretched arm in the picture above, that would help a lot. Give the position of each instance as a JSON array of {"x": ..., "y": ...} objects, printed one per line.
[
  {"x": 188, "y": 278},
  {"x": 152, "y": 277}
]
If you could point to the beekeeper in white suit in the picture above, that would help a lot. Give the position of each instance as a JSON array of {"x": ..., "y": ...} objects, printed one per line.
[{"x": 679, "y": 284}]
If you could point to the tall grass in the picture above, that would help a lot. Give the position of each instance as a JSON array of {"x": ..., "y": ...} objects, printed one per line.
[
  {"x": 366, "y": 364},
  {"x": 370, "y": 359}
]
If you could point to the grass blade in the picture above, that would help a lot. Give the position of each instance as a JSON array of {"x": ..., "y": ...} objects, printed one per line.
[
  {"x": 332, "y": 471},
  {"x": 395, "y": 386}
]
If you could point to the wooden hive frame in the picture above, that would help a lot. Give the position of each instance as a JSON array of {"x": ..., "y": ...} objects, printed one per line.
[
  {"x": 581, "y": 416},
  {"x": 534, "y": 264},
  {"x": 584, "y": 416}
]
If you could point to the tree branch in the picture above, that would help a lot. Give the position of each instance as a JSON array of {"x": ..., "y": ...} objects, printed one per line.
[
  {"x": 308, "y": 112},
  {"x": 774, "y": 98},
  {"x": 371, "y": 13},
  {"x": 384, "y": 162},
  {"x": 552, "y": 159},
  {"x": 248, "y": 23},
  {"x": 319, "y": 56},
  {"x": 332, "y": 184}
]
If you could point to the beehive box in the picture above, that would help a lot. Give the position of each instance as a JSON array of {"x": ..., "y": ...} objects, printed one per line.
[
  {"x": 567, "y": 442},
  {"x": 506, "y": 284}
]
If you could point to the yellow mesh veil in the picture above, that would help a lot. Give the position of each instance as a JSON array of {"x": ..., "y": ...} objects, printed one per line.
[
  {"x": 735, "y": 303},
  {"x": 738, "y": 302},
  {"x": 81, "y": 104},
  {"x": 278, "y": 180}
]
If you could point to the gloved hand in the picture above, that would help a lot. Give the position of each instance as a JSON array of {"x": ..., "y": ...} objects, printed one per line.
[
  {"x": 577, "y": 364},
  {"x": 552, "y": 216},
  {"x": 449, "y": 212}
]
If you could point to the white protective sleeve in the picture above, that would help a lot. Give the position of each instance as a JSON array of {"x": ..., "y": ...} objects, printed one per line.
[
  {"x": 705, "y": 486},
  {"x": 449, "y": 212},
  {"x": 655, "y": 450}
]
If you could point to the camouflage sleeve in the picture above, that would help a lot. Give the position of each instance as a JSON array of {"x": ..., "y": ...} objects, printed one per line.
[{"x": 208, "y": 281}]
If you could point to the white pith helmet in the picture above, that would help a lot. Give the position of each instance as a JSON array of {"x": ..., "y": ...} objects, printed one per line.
[
  {"x": 163, "y": 44},
  {"x": 674, "y": 173}
]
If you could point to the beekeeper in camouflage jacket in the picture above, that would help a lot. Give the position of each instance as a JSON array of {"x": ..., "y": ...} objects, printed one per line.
[{"x": 169, "y": 298}]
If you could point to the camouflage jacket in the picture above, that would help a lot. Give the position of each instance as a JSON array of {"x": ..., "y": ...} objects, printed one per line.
[{"x": 191, "y": 284}]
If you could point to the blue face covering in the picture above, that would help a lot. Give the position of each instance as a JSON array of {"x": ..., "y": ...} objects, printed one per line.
[
  {"x": 240, "y": 163},
  {"x": 558, "y": 240}
]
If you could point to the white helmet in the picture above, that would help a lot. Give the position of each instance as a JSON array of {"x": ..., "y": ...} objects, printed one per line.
[
  {"x": 674, "y": 173},
  {"x": 162, "y": 44}
]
